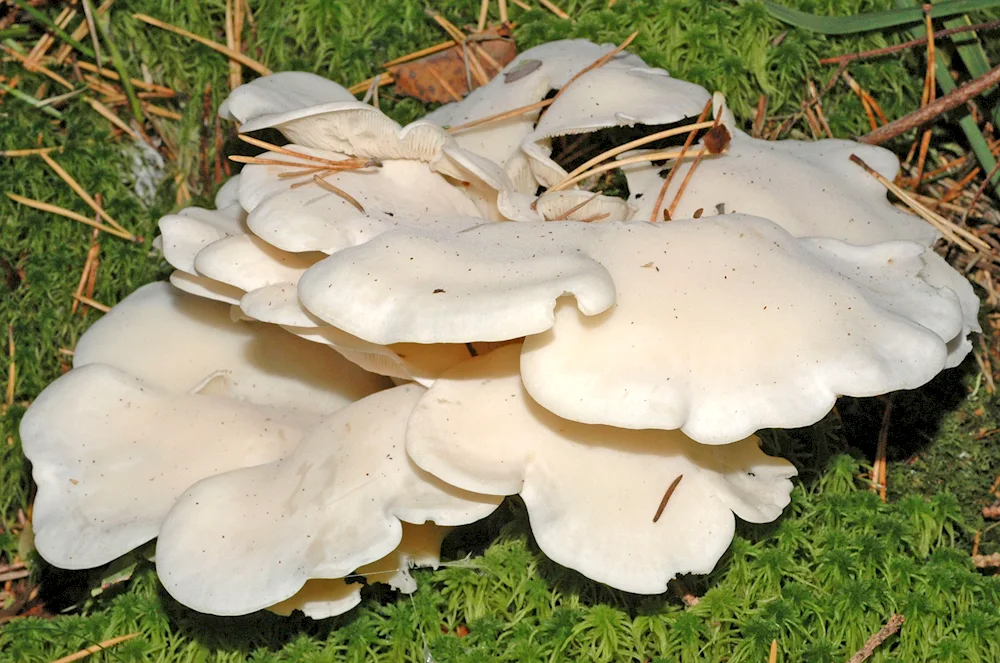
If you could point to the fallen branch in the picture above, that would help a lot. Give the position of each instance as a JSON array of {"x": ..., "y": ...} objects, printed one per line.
[{"x": 893, "y": 625}]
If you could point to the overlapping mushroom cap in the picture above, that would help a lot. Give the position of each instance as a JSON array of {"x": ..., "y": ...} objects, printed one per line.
[
  {"x": 567, "y": 347},
  {"x": 167, "y": 390},
  {"x": 661, "y": 312}
]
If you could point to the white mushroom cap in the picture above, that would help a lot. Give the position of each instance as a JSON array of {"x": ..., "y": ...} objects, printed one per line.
[
  {"x": 247, "y": 262},
  {"x": 526, "y": 80},
  {"x": 309, "y": 218},
  {"x": 492, "y": 282},
  {"x": 816, "y": 319},
  {"x": 281, "y": 93},
  {"x": 111, "y": 453},
  {"x": 248, "y": 539},
  {"x": 809, "y": 188},
  {"x": 174, "y": 341},
  {"x": 205, "y": 288},
  {"x": 322, "y": 598},
  {"x": 592, "y": 491},
  {"x": 193, "y": 228}
]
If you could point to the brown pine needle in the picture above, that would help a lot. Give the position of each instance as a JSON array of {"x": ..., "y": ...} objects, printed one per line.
[
  {"x": 301, "y": 173},
  {"x": 328, "y": 164},
  {"x": 112, "y": 118},
  {"x": 599, "y": 62},
  {"x": 930, "y": 89},
  {"x": 893, "y": 625},
  {"x": 551, "y": 6},
  {"x": 503, "y": 12},
  {"x": 137, "y": 82},
  {"x": 694, "y": 166},
  {"x": 773, "y": 656},
  {"x": 514, "y": 112},
  {"x": 104, "y": 308},
  {"x": 639, "y": 142},
  {"x": 673, "y": 171},
  {"x": 444, "y": 84},
  {"x": 819, "y": 110},
  {"x": 61, "y": 211},
  {"x": 522, "y": 4},
  {"x": 219, "y": 48},
  {"x": 83, "y": 653},
  {"x": 416, "y": 55},
  {"x": 950, "y": 230},
  {"x": 11, "y": 368},
  {"x": 484, "y": 13},
  {"x": 979, "y": 191},
  {"x": 85, "y": 274},
  {"x": 29, "y": 152},
  {"x": 340, "y": 192},
  {"x": 386, "y": 79},
  {"x": 78, "y": 190},
  {"x": 577, "y": 207},
  {"x": 666, "y": 497},
  {"x": 32, "y": 66},
  {"x": 880, "y": 474},
  {"x": 651, "y": 156}
]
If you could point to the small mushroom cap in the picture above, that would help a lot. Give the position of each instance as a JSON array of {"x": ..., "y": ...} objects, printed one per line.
[
  {"x": 205, "y": 288},
  {"x": 192, "y": 229},
  {"x": 311, "y": 218},
  {"x": 592, "y": 491},
  {"x": 938, "y": 273},
  {"x": 281, "y": 93},
  {"x": 111, "y": 453},
  {"x": 328, "y": 597},
  {"x": 247, "y": 262},
  {"x": 526, "y": 80},
  {"x": 248, "y": 539},
  {"x": 493, "y": 282},
  {"x": 173, "y": 341},
  {"x": 809, "y": 188}
]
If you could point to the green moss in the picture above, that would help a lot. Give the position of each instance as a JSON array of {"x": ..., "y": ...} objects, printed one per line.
[{"x": 822, "y": 579}]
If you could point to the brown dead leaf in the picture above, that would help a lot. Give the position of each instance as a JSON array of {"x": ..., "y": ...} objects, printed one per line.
[{"x": 434, "y": 78}]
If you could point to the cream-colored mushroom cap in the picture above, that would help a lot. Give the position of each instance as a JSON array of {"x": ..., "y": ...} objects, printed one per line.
[
  {"x": 593, "y": 492},
  {"x": 248, "y": 539},
  {"x": 111, "y": 453},
  {"x": 281, "y": 93},
  {"x": 419, "y": 547},
  {"x": 175, "y": 341},
  {"x": 719, "y": 326}
]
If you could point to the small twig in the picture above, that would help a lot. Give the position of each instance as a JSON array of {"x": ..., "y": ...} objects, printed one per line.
[
  {"x": 953, "y": 99},
  {"x": 759, "y": 120},
  {"x": 891, "y": 627},
  {"x": 980, "y": 191},
  {"x": 219, "y": 48},
  {"x": 889, "y": 50},
  {"x": 340, "y": 192},
  {"x": 986, "y": 561}
]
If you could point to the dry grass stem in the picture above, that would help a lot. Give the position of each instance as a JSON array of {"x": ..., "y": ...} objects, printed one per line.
[
  {"x": 416, "y": 55},
  {"x": 83, "y": 653},
  {"x": 29, "y": 152},
  {"x": 514, "y": 112},
  {"x": 340, "y": 192},
  {"x": 61, "y": 211},
  {"x": 138, "y": 82},
  {"x": 576, "y": 208},
  {"x": 219, "y": 48},
  {"x": 650, "y": 156},
  {"x": 33, "y": 66}
]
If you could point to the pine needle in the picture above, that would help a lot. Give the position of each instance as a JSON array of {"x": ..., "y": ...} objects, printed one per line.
[
  {"x": 219, "y": 48},
  {"x": 83, "y": 653},
  {"x": 61, "y": 211}
]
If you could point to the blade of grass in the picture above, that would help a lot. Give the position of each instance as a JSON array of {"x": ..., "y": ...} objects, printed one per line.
[
  {"x": 104, "y": 27},
  {"x": 59, "y": 32},
  {"x": 867, "y": 22},
  {"x": 27, "y": 98}
]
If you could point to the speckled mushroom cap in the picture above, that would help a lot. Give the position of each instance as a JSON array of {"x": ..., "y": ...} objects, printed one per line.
[
  {"x": 593, "y": 492},
  {"x": 651, "y": 340},
  {"x": 246, "y": 540}
]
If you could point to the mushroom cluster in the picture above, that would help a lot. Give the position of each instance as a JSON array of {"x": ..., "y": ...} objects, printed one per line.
[{"x": 382, "y": 331}]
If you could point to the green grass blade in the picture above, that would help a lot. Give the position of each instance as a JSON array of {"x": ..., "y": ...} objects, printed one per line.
[
  {"x": 844, "y": 25},
  {"x": 119, "y": 64},
  {"x": 970, "y": 49}
]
